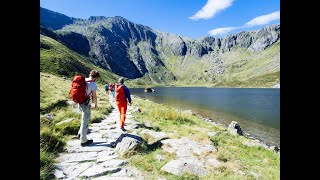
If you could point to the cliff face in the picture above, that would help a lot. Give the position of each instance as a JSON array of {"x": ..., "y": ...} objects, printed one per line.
[{"x": 133, "y": 50}]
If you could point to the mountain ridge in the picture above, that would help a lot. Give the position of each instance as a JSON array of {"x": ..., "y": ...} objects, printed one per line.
[{"x": 134, "y": 51}]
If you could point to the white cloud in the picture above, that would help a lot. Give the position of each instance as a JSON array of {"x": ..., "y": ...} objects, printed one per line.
[
  {"x": 265, "y": 19},
  {"x": 211, "y": 8},
  {"x": 221, "y": 31},
  {"x": 260, "y": 20}
]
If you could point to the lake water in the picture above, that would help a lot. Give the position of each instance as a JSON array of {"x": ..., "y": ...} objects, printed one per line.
[{"x": 256, "y": 109}]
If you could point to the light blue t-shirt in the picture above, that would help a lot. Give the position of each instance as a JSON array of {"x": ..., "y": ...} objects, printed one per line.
[{"x": 91, "y": 86}]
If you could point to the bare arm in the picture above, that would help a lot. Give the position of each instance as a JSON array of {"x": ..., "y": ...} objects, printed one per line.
[{"x": 94, "y": 99}]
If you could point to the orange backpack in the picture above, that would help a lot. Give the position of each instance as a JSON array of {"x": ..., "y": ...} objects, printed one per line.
[{"x": 119, "y": 95}]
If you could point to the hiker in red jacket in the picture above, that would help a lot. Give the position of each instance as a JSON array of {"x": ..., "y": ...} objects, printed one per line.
[{"x": 122, "y": 97}]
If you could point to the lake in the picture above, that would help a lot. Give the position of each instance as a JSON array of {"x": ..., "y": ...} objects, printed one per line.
[{"x": 256, "y": 109}]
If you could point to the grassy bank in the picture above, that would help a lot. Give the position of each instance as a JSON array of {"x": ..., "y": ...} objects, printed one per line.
[
  {"x": 54, "y": 99},
  {"x": 235, "y": 156}
]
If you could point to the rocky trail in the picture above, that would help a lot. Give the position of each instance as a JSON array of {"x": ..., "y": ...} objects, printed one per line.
[
  {"x": 104, "y": 158},
  {"x": 99, "y": 160}
]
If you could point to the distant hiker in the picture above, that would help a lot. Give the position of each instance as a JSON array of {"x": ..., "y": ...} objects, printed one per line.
[
  {"x": 90, "y": 87},
  {"x": 122, "y": 97},
  {"x": 109, "y": 88}
]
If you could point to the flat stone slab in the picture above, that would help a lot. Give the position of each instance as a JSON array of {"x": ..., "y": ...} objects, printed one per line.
[
  {"x": 114, "y": 163},
  {"x": 113, "y": 178},
  {"x": 73, "y": 171},
  {"x": 153, "y": 136},
  {"x": 107, "y": 158},
  {"x": 65, "y": 121},
  {"x": 182, "y": 146},
  {"x": 98, "y": 170},
  {"x": 213, "y": 162},
  {"x": 252, "y": 143},
  {"x": 211, "y": 134},
  {"x": 75, "y": 147},
  {"x": 78, "y": 157},
  {"x": 59, "y": 174},
  {"x": 185, "y": 165},
  {"x": 128, "y": 172}
]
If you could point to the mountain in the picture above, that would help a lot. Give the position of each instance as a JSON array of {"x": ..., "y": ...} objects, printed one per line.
[{"x": 141, "y": 53}]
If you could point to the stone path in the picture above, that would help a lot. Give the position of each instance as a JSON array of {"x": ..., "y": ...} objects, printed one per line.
[{"x": 98, "y": 160}]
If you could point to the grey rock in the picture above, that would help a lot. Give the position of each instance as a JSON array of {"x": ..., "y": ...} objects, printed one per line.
[
  {"x": 128, "y": 172},
  {"x": 49, "y": 116},
  {"x": 252, "y": 143},
  {"x": 113, "y": 178},
  {"x": 153, "y": 136},
  {"x": 241, "y": 172},
  {"x": 78, "y": 157},
  {"x": 107, "y": 158},
  {"x": 73, "y": 171},
  {"x": 114, "y": 163},
  {"x": 181, "y": 166},
  {"x": 213, "y": 162},
  {"x": 59, "y": 174},
  {"x": 211, "y": 134},
  {"x": 148, "y": 124},
  {"x": 256, "y": 175},
  {"x": 185, "y": 147},
  {"x": 65, "y": 121},
  {"x": 235, "y": 129},
  {"x": 127, "y": 142},
  {"x": 73, "y": 146},
  {"x": 265, "y": 37},
  {"x": 98, "y": 170},
  {"x": 159, "y": 157},
  {"x": 276, "y": 86}
]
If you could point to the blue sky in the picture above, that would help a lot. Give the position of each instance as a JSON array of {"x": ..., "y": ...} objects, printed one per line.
[{"x": 191, "y": 18}]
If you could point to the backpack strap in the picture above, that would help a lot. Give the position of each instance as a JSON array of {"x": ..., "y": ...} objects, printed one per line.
[{"x": 87, "y": 88}]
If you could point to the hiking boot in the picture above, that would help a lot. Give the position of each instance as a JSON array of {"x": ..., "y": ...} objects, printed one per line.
[{"x": 87, "y": 143}]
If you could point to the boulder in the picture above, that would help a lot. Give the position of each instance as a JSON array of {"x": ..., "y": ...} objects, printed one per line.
[
  {"x": 149, "y": 90},
  {"x": 235, "y": 129},
  {"x": 127, "y": 143},
  {"x": 152, "y": 136},
  {"x": 49, "y": 116},
  {"x": 185, "y": 165}
]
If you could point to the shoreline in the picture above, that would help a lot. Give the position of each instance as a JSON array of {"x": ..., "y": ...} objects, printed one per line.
[
  {"x": 246, "y": 135},
  {"x": 209, "y": 120}
]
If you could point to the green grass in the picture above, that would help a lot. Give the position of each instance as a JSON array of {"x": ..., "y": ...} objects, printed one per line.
[
  {"x": 231, "y": 152},
  {"x": 239, "y": 68},
  {"x": 266, "y": 80},
  {"x": 59, "y": 60}
]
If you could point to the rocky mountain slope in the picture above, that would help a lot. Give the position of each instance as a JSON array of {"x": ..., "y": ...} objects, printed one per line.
[{"x": 139, "y": 52}]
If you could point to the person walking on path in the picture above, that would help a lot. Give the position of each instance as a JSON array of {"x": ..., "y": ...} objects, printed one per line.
[
  {"x": 109, "y": 88},
  {"x": 122, "y": 97},
  {"x": 86, "y": 107}
]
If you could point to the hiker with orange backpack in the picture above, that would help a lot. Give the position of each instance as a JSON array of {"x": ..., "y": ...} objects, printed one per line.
[
  {"x": 122, "y": 97},
  {"x": 81, "y": 91}
]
